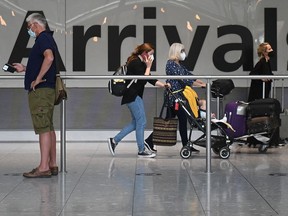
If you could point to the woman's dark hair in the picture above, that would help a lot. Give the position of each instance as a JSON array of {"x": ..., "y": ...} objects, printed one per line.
[{"x": 146, "y": 47}]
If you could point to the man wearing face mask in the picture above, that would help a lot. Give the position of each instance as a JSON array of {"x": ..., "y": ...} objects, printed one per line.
[
  {"x": 40, "y": 76},
  {"x": 262, "y": 67}
]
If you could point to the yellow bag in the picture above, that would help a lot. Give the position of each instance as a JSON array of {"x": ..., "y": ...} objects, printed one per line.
[{"x": 192, "y": 99}]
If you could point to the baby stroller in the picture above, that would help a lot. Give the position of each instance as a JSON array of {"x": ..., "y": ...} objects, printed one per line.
[{"x": 220, "y": 142}]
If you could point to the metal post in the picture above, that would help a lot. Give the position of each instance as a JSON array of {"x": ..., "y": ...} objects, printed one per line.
[
  {"x": 63, "y": 137},
  {"x": 273, "y": 90},
  {"x": 208, "y": 127},
  {"x": 263, "y": 89},
  {"x": 208, "y": 195},
  {"x": 282, "y": 95},
  {"x": 218, "y": 107},
  {"x": 63, "y": 189}
]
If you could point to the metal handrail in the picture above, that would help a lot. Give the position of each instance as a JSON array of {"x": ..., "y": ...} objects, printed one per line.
[
  {"x": 63, "y": 76},
  {"x": 208, "y": 98}
]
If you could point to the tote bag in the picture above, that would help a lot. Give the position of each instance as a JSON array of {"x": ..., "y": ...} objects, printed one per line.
[{"x": 164, "y": 129}]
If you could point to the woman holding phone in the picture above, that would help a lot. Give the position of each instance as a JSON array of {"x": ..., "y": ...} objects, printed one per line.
[{"x": 138, "y": 63}]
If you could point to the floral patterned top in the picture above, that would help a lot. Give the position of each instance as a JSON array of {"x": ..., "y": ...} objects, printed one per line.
[{"x": 172, "y": 68}]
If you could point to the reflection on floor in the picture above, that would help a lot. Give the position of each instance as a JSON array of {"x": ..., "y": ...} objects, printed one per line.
[{"x": 248, "y": 183}]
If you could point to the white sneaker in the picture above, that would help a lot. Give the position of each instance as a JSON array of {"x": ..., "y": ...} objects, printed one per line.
[
  {"x": 111, "y": 146},
  {"x": 146, "y": 154}
]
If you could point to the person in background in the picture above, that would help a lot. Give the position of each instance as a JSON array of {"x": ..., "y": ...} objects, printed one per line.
[
  {"x": 138, "y": 63},
  {"x": 40, "y": 76},
  {"x": 262, "y": 67},
  {"x": 175, "y": 67}
]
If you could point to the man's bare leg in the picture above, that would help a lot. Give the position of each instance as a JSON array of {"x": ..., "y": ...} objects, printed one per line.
[
  {"x": 45, "y": 142},
  {"x": 53, "y": 162}
]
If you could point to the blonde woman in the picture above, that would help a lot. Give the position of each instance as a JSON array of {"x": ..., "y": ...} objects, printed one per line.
[
  {"x": 175, "y": 67},
  {"x": 262, "y": 67}
]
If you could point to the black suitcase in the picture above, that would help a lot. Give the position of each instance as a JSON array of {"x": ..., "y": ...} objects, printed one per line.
[
  {"x": 262, "y": 124},
  {"x": 263, "y": 107}
]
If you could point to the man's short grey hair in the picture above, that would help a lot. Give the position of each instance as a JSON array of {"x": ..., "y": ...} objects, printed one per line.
[{"x": 36, "y": 17}]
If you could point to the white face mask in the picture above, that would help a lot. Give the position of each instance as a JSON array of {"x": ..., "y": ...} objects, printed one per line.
[
  {"x": 31, "y": 33},
  {"x": 182, "y": 56}
]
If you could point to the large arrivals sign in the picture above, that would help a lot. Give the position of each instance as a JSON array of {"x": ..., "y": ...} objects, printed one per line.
[{"x": 220, "y": 37}]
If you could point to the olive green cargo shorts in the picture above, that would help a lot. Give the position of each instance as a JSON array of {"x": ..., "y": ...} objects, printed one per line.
[{"x": 41, "y": 104}]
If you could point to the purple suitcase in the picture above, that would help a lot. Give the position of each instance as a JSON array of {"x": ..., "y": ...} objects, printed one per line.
[{"x": 236, "y": 116}]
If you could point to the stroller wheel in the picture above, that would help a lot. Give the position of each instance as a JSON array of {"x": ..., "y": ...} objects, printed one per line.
[
  {"x": 263, "y": 148},
  {"x": 224, "y": 153},
  {"x": 185, "y": 152}
]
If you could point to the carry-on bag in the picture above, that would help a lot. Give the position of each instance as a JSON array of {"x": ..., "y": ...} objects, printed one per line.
[
  {"x": 263, "y": 107},
  {"x": 236, "y": 117},
  {"x": 262, "y": 124},
  {"x": 165, "y": 129},
  {"x": 221, "y": 87}
]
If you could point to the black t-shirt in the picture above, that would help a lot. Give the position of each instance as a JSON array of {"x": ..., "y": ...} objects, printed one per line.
[
  {"x": 43, "y": 42},
  {"x": 136, "y": 67}
]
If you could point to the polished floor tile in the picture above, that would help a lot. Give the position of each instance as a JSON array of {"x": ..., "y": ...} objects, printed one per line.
[{"x": 248, "y": 183}]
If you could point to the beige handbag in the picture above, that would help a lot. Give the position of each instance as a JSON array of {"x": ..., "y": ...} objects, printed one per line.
[{"x": 60, "y": 90}]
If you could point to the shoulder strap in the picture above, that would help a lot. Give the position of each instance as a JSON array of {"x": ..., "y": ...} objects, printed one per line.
[
  {"x": 166, "y": 101},
  {"x": 56, "y": 57},
  {"x": 133, "y": 80}
]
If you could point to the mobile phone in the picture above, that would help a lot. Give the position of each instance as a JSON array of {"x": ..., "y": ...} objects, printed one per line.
[
  {"x": 9, "y": 68},
  {"x": 144, "y": 55}
]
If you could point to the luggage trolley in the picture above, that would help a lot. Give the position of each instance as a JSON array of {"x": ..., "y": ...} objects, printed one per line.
[
  {"x": 250, "y": 120},
  {"x": 220, "y": 141}
]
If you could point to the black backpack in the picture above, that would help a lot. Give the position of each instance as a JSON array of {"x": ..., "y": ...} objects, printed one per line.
[
  {"x": 221, "y": 87},
  {"x": 117, "y": 87}
]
